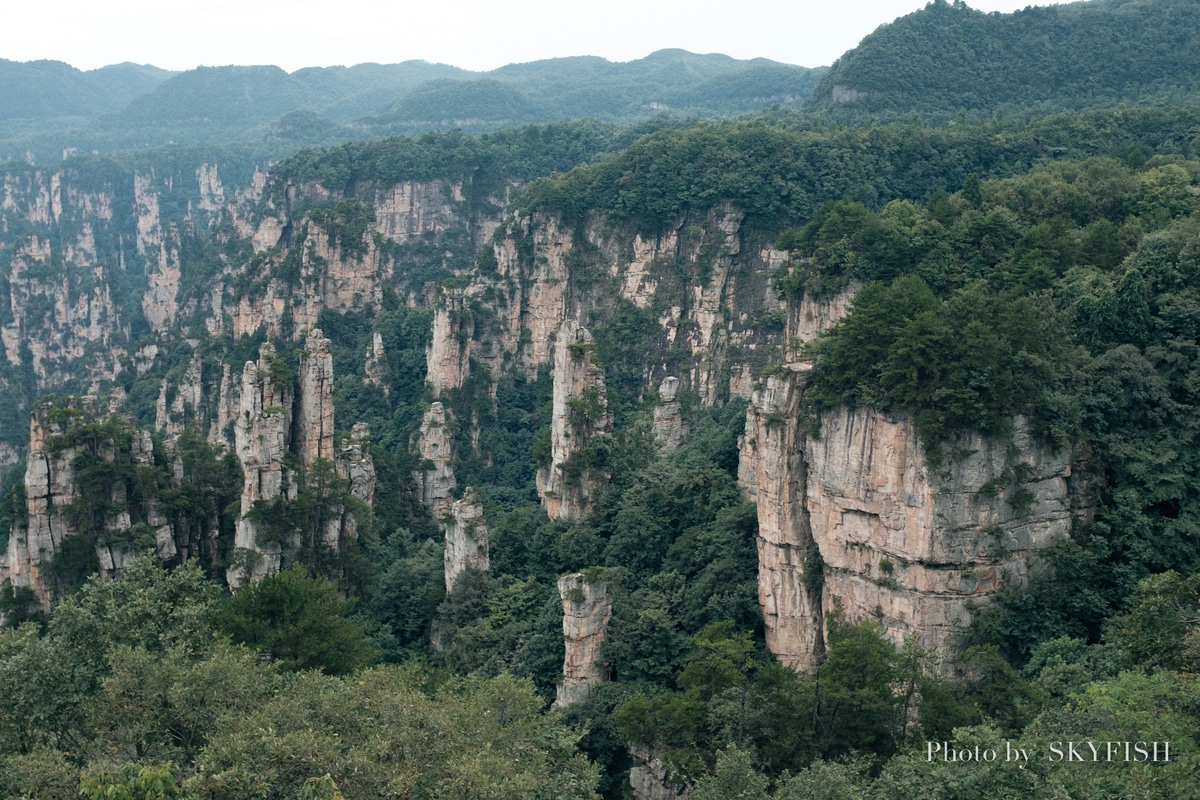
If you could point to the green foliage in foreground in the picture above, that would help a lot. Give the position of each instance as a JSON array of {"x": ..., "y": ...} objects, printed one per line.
[{"x": 130, "y": 693}]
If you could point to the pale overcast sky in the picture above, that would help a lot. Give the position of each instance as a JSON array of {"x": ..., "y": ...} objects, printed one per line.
[{"x": 474, "y": 34}]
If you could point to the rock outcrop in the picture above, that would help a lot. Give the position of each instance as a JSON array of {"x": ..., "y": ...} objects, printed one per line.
[
  {"x": 858, "y": 519},
  {"x": 773, "y": 474},
  {"x": 466, "y": 536},
  {"x": 49, "y": 488},
  {"x": 261, "y": 433},
  {"x": 354, "y": 465},
  {"x": 57, "y": 514},
  {"x": 567, "y": 484},
  {"x": 449, "y": 353},
  {"x": 587, "y": 608},
  {"x": 649, "y": 776},
  {"x": 435, "y": 478},
  {"x": 670, "y": 428},
  {"x": 313, "y": 436}
]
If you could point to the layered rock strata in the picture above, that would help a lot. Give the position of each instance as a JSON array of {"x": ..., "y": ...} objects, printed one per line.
[
  {"x": 567, "y": 484},
  {"x": 587, "y": 608},
  {"x": 859, "y": 520},
  {"x": 435, "y": 443}
]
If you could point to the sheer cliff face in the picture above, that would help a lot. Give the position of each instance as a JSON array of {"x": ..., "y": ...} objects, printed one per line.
[
  {"x": 773, "y": 474},
  {"x": 858, "y": 520}
]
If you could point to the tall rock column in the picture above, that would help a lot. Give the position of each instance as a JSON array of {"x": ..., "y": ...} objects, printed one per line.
[
  {"x": 435, "y": 479},
  {"x": 670, "y": 428},
  {"x": 313, "y": 438},
  {"x": 580, "y": 413},
  {"x": 49, "y": 487},
  {"x": 772, "y": 473},
  {"x": 449, "y": 355},
  {"x": 261, "y": 438},
  {"x": 354, "y": 464},
  {"x": 466, "y": 538},
  {"x": 587, "y": 608}
]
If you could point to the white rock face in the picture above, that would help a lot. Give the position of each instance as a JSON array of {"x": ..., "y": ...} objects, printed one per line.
[
  {"x": 466, "y": 536},
  {"x": 160, "y": 250},
  {"x": 314, "y": 411},
  {"x": 448, "y": 357},
  {"x": 49, "y": 487},
  {"x": 580, "y": 413},
  {"x": 773, "y": 475},
  {"x": 435, "y": 445},
  {"x": 670, "y": 428},
  {"x": 898, "y": 540},
  {"x": 587, "y": 609},
  {"x": 261, "y": 435},
  {"x": 354, "y": 464}
]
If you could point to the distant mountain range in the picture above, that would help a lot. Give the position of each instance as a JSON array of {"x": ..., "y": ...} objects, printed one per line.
[{"x": 47, "y": 107}]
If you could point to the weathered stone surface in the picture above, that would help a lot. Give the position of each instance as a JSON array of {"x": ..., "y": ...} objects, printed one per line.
[
  {"x": 648, "y": 776},
  {"x": 670, "y": 428},
  {"x": 354, "y": 464},
  {"x": 160, "y": 250},
  {"x": 313, "y": 432},
  {"x": 261, "y": 434},
  {"x": 435, "y": 445},
  {"x": 587, "y": 608},
  {"x": 580, "y": 413},
  {"x": 375, "y": 365},
  {"x": 49, "y": 487},
  {"x": 466, "y": 536},
  {"x": 916, "y": 543},
  {"x": 898, "y": 540},
  {"x": 772, "y": 473},
  {"x": 448, "y": 356}
]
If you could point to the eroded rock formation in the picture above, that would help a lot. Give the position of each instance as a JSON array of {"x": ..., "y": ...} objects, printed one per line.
[
  {"x": 587, "y": 608},
  {"x": 261, "y": 433},
  {"x": 773, "y": 474},
  {"x": 435, "y": 444},
  {"x": 649, "y": 776},
  {"x": 466, "y": 536},
  {"x": 858, "y": 519},
  {"x": 49, "y": 488},
  {"x": 670, "y": 428},
  {"x": 567, "y": 484},
  {"x": 313, "y": 438}
]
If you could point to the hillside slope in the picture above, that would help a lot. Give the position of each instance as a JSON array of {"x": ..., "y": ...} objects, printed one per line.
[{"x": 949, "y": 56}]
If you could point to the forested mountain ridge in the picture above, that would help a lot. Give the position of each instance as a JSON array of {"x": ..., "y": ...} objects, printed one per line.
[
  {"x": 948, "y": 57},
  {"x": 54, "y": 108}
]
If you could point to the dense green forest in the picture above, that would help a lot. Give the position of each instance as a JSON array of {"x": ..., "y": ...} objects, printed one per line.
[
  {"x": 1041, "y": 264},
  {"x": 949, "y": 56}
]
